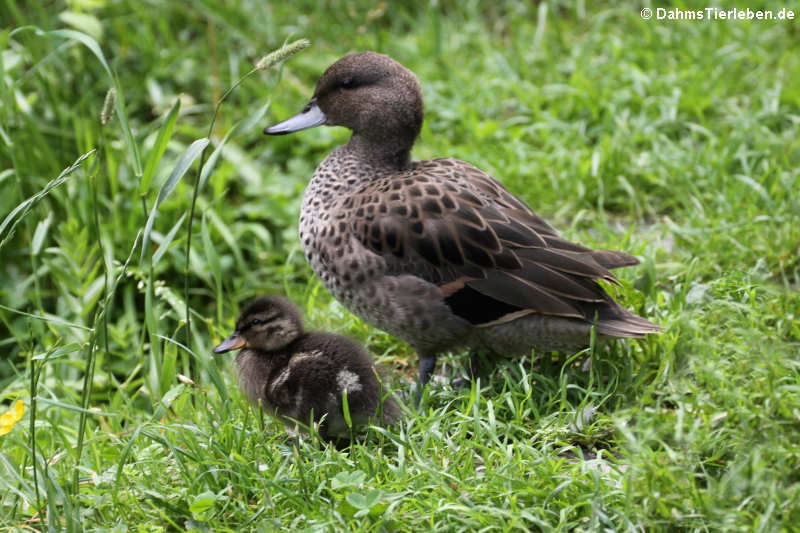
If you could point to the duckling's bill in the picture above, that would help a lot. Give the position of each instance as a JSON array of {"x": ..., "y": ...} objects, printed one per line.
[
  {"x": 234, "y": 342},
  {"x": 310, "y": 117}
]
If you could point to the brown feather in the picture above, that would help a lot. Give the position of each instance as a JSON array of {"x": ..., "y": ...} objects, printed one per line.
[
  {"x": 524, "y": 294},
  {"x": 613, "y": 258}
]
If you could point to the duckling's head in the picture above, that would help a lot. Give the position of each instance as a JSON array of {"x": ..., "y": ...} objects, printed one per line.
[
  {"x": 372, "y": 94},
  {"x": 266, "y": 324}
]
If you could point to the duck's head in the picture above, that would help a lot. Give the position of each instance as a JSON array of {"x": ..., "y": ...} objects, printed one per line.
[
  {"x": 266, "y": 324},
  {"x": 369, "y": 93}
]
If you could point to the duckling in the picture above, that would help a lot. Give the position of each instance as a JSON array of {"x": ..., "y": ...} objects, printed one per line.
[
  {"x": 438, "y": 252},
  {"x": 302, "y": 376}
]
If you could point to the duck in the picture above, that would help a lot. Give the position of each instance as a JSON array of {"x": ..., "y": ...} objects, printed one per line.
[
  {"x": 304, "y": 376},
  {"x": 437, "y": 252}
]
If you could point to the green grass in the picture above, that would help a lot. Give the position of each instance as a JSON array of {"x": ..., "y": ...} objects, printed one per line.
[{"x": 675, "y": 141}]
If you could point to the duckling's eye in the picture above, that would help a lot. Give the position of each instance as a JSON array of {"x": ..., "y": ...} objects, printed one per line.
[
  {"x": 255, "y": 322},
  {"x": 347, "y": 83}
]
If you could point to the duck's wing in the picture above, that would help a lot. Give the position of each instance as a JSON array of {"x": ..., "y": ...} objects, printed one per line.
[{"x": 452, "y": 224}]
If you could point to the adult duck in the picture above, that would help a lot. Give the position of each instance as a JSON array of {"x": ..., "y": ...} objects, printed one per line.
[{"x": 438, "y": 252}]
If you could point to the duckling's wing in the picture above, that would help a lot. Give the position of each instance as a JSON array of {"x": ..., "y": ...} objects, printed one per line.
[
  {"x": 452, "y": 224},
  {"x": 308, "y": 384},
  {"x": 326, "y": 367}
]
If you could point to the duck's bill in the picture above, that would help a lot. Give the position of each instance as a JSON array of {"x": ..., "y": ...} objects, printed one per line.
[
  {"x": 310, "y": 117},
  {"x": 234, "y": 342}
]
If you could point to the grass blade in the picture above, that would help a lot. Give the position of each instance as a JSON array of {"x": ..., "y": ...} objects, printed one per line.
[
  {"x": 163, "y": 246},
  {"x": 164, "y": 135},
  {"x": 186, "y": 160},
  {"x": 25, "y": 207},
  {"x": 214, "y": 265},
  {"x": 92, "y": 45},
  {"x": 241, "y": 126}
]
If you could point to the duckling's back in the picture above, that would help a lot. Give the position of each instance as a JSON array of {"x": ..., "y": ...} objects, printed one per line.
[{"x": 328, "y": 366}]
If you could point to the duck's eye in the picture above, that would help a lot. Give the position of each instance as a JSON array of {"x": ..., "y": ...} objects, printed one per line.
[
  {"x": 255, "y": 322},
  {"x": 348, "y": 83}
]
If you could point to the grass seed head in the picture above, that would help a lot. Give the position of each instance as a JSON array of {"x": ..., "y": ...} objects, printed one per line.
[
  {"x": 108, "y": 107},
  {"x": 273, "y": 58}
]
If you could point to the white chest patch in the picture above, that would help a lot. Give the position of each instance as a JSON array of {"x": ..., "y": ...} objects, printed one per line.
[{"x": 348, "y": 381}]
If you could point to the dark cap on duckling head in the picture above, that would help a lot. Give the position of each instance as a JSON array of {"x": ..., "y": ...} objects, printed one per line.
[
  {"x": 266, "y": 324},
  {"x": 358, "y": 88}
]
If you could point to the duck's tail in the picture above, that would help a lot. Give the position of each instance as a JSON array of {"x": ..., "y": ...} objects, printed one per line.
[
  {"x": 611, "y": 259},
  {"x": 616, "y": 321}
]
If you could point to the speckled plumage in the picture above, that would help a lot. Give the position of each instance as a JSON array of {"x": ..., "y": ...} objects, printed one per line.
[
  {"x": 298, "y": 375},
  {"x": 437, "y": 252}
]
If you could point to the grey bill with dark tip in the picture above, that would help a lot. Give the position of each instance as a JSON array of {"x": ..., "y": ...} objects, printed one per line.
[
  {"x": 310, "y": 117},
  {"x": 234, "y": 342}
]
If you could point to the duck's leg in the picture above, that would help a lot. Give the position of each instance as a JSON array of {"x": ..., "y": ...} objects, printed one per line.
[{"x": 426, "y": 365}]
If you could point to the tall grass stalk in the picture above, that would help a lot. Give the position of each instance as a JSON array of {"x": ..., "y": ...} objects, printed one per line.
[{"x": 265, "y": 62}]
